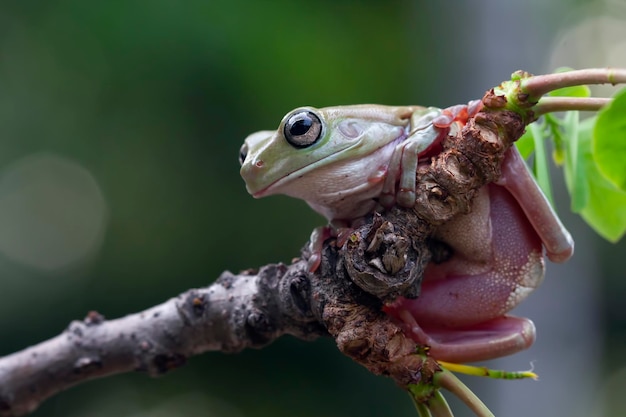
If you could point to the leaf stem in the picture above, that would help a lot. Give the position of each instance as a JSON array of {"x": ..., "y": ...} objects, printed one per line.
[
  {"x": 449, "y": 381},
  {"x": 554, "y": 104},
  {"x": 422, "y": 409},
  {"x": 539, "y": 85},
  {"x": 484, "y": 371},
  {"x": 439, "y": 406}
]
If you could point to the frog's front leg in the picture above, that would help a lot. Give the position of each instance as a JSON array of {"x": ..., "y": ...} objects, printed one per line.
[
  {"x": 399, "y": 187},
  {"x": 428, "y": 128}
]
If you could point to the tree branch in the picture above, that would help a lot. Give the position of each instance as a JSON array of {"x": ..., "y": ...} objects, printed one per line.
[
  {"x": 248, "y": 310},
  {"x": 379, "y": 261}
]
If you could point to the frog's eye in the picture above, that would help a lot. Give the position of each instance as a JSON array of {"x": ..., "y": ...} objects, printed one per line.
[
  {"x": 303, "y": 129},
  {"x": 243, "y": 152}
]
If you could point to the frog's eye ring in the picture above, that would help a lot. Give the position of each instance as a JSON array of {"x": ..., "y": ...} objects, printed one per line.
[{"x": 302, "y": 129}]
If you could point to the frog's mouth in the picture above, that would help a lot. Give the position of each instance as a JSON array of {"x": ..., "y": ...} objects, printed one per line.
[
  {"x": 323, "y": 187},
  {"x": 496, "y": 261}
]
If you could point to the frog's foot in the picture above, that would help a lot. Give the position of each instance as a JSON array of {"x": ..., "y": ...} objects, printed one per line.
[
  {"x": 498, "y": 337},
  {"x": 337, "y": 229},
  {"x": 427, "y": 130},
  {"x": 316, "y": 244}
]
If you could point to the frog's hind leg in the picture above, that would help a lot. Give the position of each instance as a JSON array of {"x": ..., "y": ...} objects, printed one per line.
[
  {"x": 519, "y": 182},
  {"x": 498, "y": 337}
]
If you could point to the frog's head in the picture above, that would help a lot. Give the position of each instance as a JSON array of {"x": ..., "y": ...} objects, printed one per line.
[{"x": 313, "y": 147}]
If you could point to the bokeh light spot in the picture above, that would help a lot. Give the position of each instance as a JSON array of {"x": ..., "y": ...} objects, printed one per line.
[{"x": 52, "y": 212}]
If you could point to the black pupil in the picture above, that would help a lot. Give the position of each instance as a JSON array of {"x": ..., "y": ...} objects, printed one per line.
[{"x": 300, "y": 127}]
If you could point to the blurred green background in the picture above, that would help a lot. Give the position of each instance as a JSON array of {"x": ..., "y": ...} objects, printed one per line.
[{"x": 120, "y": 126}]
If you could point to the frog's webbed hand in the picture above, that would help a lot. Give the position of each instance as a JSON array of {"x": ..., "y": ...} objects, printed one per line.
[
  {"x": 421, "y": 137},
  {"x": 427, "y": 129}
]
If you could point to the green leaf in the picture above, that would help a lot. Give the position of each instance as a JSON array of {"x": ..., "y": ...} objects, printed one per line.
[
  {"x": 574, "y": 176},
  {"x": 540, "y": 165},
  {"x": 526, "y": 144},
  {"x": 605, "y": 210},
  {"x": 554, "y": 126},
  {"x": 576, "y": 91},
  {"x": 609, "y": 141}
]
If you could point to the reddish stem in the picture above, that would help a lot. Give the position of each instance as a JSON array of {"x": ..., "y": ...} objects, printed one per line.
[
  {"x": 539, "y": 85},
  {"x": 554, "y": 104}
]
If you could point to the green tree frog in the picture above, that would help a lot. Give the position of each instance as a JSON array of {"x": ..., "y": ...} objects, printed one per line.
[{"x": 347, "y": 161}]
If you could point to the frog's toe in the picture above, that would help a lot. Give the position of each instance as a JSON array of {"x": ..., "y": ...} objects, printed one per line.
[{"x": 495, "y": 338}]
